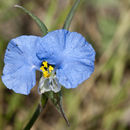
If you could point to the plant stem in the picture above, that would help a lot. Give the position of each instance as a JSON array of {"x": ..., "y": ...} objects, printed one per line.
[
  {"x": 37, "y": 112},
  {"x": 34, "y": 118}
]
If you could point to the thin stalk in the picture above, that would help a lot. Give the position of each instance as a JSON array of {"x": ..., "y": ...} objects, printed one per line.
[
  {"x": 37, "y": 112},
  {"x": 34, "y": 118}
]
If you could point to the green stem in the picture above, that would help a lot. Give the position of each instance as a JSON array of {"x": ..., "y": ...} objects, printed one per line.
[
  {"x": 34, "y": 118},
  {"x": 37, "y": 112},
  {"x": 70, "y": 15}
]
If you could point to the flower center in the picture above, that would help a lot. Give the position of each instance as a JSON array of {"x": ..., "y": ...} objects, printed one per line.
[{"x": 46, "y": 69}]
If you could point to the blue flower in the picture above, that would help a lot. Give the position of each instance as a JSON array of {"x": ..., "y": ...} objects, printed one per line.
[
  {"x": 68, "y": 52},
  {"x": 72, "y": 56}
]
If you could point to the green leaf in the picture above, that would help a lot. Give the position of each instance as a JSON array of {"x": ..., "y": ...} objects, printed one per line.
[
  {"x": 70, "y": 15},
  {"x": 44, "y": 100},
  {"x": 56, "y": 99},
  {"x": 36, "y": 19},
  {"x": 60, "y": 106}
]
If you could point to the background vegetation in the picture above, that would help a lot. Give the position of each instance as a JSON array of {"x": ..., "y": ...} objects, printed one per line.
[{"x": 100, "y": 103}]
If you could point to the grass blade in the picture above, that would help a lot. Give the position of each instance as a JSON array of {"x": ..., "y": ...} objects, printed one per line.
[{"x": 70, "y": 15}]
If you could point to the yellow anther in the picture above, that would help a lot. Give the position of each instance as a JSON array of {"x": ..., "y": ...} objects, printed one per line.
[
  {"x": 42, "y": 68},
  {"x": 46, "y": 69},
  {"x": 46, "y": 74},
  {"x": 50, "y": 68},
  {"x": 45, "y": 64}
]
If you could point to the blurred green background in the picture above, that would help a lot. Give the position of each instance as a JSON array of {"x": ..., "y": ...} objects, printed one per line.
[{"x": 100, "y": 103}]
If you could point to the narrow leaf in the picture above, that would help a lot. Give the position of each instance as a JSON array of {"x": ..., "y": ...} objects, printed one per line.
[
  {"x": 36, "y": 19},
  {"x": 70, "y": 15},
  {"x": 44, "y": 100},
  {"x": 56, "y": 99},
  {"x": 60, "y": 108}
]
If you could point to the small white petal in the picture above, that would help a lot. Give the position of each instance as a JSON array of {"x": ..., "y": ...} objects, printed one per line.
[{"x": 49, "y": 84}]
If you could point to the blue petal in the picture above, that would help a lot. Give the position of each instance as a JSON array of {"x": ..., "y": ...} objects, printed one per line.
[
  {"x": 78, "y": 64},
  {"x": 20, "y": 81},
  {"x": 72, "y": 55},
  {"x": 51, "y": 46},
  {"x": 72, "y": 74},
  {"x": 20, "y": 64}
]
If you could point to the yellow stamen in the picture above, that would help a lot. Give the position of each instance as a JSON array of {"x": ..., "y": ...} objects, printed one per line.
[
  {"x": 46, "y": 69},
  {"x": 51, "y": 68},
  {"x": 46, "y": 74},
  {"x": 45, "y": 64},
  {"x": 42, "y": 68}
]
